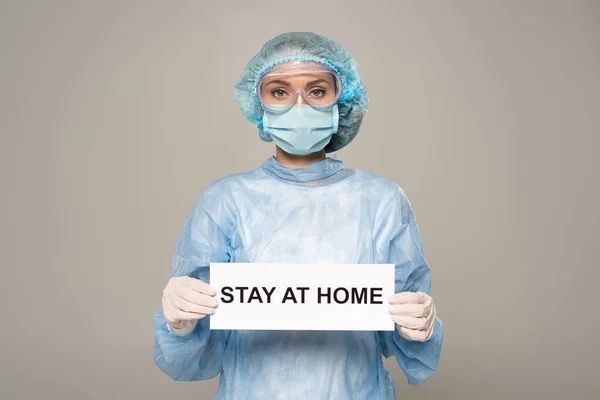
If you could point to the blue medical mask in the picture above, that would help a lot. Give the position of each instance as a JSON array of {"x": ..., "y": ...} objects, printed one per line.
[{"x": 302, "y": 129}]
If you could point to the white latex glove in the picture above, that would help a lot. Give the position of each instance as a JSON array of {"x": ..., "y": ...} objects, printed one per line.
[
  {"x": 185, "y": 300},
  {"x": 414, "y": 315}
]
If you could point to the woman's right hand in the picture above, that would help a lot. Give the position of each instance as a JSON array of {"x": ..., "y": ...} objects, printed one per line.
[{"x": 185, "y": 300}]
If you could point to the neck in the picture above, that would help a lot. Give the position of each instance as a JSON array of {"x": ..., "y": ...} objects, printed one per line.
[{"x": 294, "y": 161}]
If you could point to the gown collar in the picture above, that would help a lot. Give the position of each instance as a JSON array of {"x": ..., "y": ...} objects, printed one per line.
[{"x": 320, "y": 170}]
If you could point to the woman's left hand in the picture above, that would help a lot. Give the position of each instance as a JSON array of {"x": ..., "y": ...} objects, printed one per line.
[{"x": 414, "y": 315}]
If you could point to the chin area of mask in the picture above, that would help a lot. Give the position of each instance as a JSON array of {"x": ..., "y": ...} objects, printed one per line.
[{"x": 302, "y": 129}]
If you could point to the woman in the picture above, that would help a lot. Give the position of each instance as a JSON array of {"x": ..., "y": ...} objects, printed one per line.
[{"x": 305, "y": 93}]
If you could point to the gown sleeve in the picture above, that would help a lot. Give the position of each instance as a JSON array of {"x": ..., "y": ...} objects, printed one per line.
[
  {"x": 399, "y": 242},
  {"x": 203, "y": 240}
]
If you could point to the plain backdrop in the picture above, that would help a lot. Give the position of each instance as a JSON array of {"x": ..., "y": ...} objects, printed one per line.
[{"x": 115, "y": 115}]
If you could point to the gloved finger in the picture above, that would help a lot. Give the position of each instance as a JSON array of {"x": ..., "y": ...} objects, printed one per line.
[
  {"x": 186, "y": 306},
  {"x": 410, "y": 322},
  {"x": 428, "y": 303},
  {"x": 183, "y": 327},
  {"x": 430, "y": 318},
  {"x": 183, "y": 285},
  {"x": 200, "y": 286},
  {"x": 173, "y": 316},
  {"x": 169, "y": 312},
  {"x": 412, "y": 334},
  {"x": 201, "y": 299},
  {"x": 409, "y": 310},
  {"x": 408, "y": 298},
  {"x": 412, "y": 310}
]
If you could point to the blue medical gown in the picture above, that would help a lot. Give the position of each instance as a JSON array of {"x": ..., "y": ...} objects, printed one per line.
[{"x": 322, "y": 213}]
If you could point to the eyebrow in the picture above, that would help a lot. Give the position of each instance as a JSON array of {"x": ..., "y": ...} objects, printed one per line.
[
  {"x": 286, "y": 83},
  {"x": 280, "y": 82},
  {"x": 316, "y": 81}
]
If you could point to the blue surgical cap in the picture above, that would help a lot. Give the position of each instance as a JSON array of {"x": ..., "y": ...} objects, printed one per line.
[{"x": 306, "y": 47}]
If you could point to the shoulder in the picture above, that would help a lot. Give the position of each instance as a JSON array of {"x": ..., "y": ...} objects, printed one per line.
[
  {"x": 218, "y": 196},
  {"x": 390, "y": 193},
  {"x": 388, "y": 189},
  {"x": 224, "y": 186}
]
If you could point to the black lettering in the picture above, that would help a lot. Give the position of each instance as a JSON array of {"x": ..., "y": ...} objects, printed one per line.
[
  {"x": 335, "y": 295},
  {"x": 327, "y": 295},
  {"x": 289, "y": 295},
  {"x": 302, "y": 293},
  {"x": 373, "y": 295},
  {"x": 359, "y": 298},
  {"x": 255, "y": 295},
  {"x": 241, "y": 289},
  {"x": 268, "y": 293},
  {"x": 223, "y": 290}
]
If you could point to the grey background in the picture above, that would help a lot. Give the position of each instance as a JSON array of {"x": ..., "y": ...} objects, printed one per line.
[{"x": 117, "y": 114}]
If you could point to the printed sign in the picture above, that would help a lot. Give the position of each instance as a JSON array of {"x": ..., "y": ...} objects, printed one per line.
[{"x": 302, "y": 296}]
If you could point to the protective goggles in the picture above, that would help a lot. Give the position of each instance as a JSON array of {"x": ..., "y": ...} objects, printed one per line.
[{"x": 280, "y": 88}]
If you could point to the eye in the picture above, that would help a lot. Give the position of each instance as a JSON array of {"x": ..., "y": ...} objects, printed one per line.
[
  {"x": 317, "y": 93},
  {"x": 278, "y": 93}
]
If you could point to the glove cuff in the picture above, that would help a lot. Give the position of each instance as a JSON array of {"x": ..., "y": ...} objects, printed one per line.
[{"x": 186, "y": 330}]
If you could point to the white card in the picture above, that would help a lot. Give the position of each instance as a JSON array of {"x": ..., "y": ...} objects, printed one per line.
[{"x": 302, "y": 296}]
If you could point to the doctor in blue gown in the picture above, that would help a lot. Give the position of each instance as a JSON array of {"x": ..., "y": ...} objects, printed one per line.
[{"x": 305, "y": 94}]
